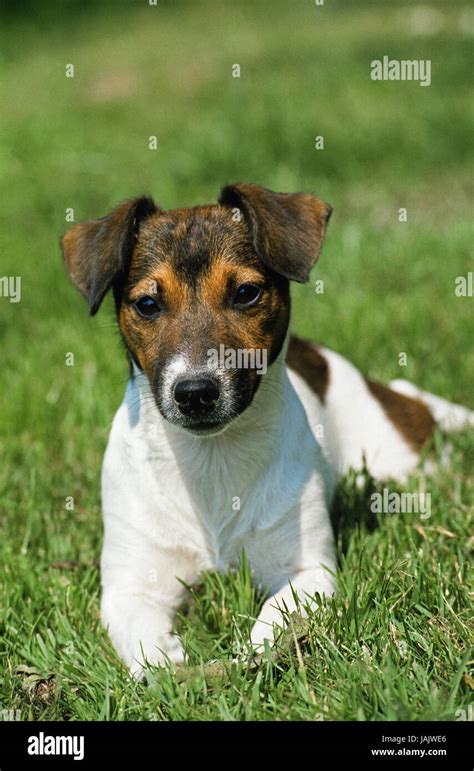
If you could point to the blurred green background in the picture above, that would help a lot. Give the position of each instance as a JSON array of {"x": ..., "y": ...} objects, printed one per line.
[{"x": 166, "y": 71}]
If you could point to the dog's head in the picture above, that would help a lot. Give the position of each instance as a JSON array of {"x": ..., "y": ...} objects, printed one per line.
[{"x": 202, "y": 294}]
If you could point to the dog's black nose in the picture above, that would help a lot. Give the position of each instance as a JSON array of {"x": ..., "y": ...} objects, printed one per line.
[{"x": 196, "y": 397}]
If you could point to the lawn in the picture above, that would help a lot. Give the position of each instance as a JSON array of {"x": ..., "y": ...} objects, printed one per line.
[{"x": 394, "y": 642}]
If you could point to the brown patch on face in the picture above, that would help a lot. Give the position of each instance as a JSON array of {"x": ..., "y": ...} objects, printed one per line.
[
  {"x": 255, "y": 327},
  {"x": 410, "y": 416},
  {"x": 305, "y": 359},
  {"x": 226, "y": 274},
  {"x": 162, "y": 282},
  {"x": 192, "y": 262}
]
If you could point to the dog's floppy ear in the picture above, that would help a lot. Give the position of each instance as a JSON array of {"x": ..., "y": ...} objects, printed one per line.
[
  {"x": 287, "y": 229},
  {"x": 96, "y": 253}
]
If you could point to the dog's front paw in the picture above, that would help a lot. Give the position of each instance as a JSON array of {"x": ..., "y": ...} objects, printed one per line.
[
  {"x": 261, "y": 631},
  {"x": 140, "y": 632},
  {"x": 166, "y": 649}
]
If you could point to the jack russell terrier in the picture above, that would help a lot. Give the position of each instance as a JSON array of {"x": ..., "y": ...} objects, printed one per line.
[{"x": 205, "y": 461}]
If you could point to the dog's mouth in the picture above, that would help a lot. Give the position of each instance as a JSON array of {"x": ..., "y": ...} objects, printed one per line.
[
  {"x": 205, "y": 428},
  {"x": 214, "y": 422},
  {"x": 198, "y": 426},
  {"x": 197, "y": 423},
  {"x": 205, "y": 404}
]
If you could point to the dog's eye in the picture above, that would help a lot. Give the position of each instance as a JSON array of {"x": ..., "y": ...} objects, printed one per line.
[
  {"x": 247, "y": 295},
  {"x": 146, "y": 307}
]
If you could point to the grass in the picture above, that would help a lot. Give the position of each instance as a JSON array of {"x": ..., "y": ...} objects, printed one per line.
[{"x": 394, "y": 643}]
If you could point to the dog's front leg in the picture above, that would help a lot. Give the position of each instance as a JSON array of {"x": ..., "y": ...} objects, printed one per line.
[
  {"x": 140, "y": 627},
  {"x": 140, "y": 596},
  {"x": 305, "y": 584}
]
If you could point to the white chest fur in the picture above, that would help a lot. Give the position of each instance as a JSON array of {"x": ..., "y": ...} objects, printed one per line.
[{"x": 212, "y": 495}]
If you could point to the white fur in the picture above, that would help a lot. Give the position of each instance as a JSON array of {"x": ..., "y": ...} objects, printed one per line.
[{"x": 169, "y": 500}]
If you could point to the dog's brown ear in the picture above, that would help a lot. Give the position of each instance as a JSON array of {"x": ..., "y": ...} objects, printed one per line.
[
  {"x": 287, "y": 229},
  {"x": 96, "y": 253}
]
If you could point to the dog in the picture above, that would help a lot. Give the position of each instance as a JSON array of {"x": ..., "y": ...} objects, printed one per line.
[{"x": 206, "y": 461}]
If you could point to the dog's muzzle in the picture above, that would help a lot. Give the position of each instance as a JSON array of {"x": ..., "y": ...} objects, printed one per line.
[{"x": 196, "y": 398}]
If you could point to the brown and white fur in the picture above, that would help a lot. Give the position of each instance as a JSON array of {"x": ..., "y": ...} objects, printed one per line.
[{"x": 204, "y": 462}]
